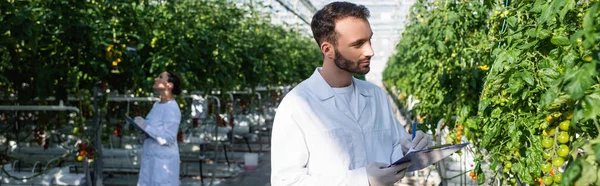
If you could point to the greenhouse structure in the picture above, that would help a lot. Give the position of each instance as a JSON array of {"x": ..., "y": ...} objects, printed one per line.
[{"x": 300, "y": 92}]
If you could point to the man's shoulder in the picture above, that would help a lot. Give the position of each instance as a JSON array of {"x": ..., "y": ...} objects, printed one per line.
[
  {"x": 369, "y": 87},
  {"x": 299, "y": 91},
  {"x": 366, "y": 84}
]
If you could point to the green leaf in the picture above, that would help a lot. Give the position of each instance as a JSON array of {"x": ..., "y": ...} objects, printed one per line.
[
  {"x": 527, "y": 77},
  {"x": 528, "y": 45},
  {"x": 580, "y": 81},
  {"x": 463, "y": 114},
  {"x": 512, "y": 21},
  {"x": 591, "y": 105},
  {"x": 570, "y": 4},
  {"x": 588, "y": 174},
  {"x": 470, "y": 123},
  {"x": 572, "y": 173},
  {"x": 548, "y": 75},
  {"x": 550, "y": 94},
  {"x": 562, "y": 99},
  {"x": 493, "y": 165},
  {"x": 546, "y": 12},
  {"x": 441, "y": 47},
  {"x": 515, "y": 83},
  {"x": 596, "y": 148},
  {"x": 484, "y": 104},
  {"x": 498, "y": 65},
  {"x": 577, "y": 115},
  {"x": 554, "y": 54},
  {"x": 576, "y": 35},
  {"x": 513, "y": 56},
  {"x": 560, "y": 40},
  {"x": 524, "y": 175},
  {"x": 538, "y": 5},
  {"x": 496, "y": 113},
  {"x": 543, "y": 33},
  {"x": 453, "y": 17},
  {"x": 569, "y": 59},
  {"x": 588, "y": 20},
  {"x": 481, "y": 179}
]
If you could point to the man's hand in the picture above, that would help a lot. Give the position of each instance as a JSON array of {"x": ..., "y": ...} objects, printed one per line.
[
  {"x": 140, "y": 122},
  {"x": 381, "y": 175},
  {"x": 420, "y": 142}
]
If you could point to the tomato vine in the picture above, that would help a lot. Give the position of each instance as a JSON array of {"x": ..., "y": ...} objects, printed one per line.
[{"x": 520, "y": 76}]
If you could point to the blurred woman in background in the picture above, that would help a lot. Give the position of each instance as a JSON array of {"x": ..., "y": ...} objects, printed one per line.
[{"x": 160, "y": 156}]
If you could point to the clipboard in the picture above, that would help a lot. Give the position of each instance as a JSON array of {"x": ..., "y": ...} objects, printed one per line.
[
  {"x": 132, "y": 122},
  {"x": 423, "y": 158}
]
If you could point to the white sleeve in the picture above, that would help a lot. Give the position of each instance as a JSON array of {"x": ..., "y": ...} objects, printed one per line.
[{"x": 290, "y": 156}]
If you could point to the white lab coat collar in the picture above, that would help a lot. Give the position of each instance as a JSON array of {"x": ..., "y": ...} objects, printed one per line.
[
  {"x": 319, "y": 87},
  {"x": 323, "y": 91}
]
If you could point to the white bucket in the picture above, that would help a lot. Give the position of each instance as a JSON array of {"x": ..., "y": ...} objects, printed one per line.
[{"x": 250, "y": 161}]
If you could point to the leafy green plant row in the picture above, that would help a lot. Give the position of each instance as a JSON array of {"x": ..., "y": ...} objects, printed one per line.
[
  {"x": 58, "y": 48},
  {"x": 62, "y": 48},
  {"x": 521, "y": 77}
]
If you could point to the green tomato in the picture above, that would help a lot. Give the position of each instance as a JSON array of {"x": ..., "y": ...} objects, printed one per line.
[
  {"x": 558, "y": 161},
  {"x": 558, "y": 177},
  {"x": 543, "y": 126},
  {"x": 546, "y": 155},
  {"x": 547, "y": 180},
  {"x": 563, "y": 137},
  {"x": 546, "y": 167},
  {"x": 563, "y": 151},
  {"x": 564, "y": 125},
  {"x": 508, "y": 165},
  {"x": 551, "y": 131},
  {"x": 547, "y": 142}
]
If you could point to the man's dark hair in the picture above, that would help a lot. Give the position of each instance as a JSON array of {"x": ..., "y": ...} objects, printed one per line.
[{"x": 323, "y": 22}]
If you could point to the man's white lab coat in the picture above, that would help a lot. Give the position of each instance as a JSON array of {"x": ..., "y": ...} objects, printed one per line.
[
  {"x": 160, "y": 155},
  {"x": 318, "y": 142}
]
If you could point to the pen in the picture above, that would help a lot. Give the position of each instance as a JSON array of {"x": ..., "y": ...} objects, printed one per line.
[{"x": 414, "y": 130}]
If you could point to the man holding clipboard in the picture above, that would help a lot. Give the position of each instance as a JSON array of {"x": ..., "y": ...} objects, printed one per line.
[{"x": 333, "y": 129}]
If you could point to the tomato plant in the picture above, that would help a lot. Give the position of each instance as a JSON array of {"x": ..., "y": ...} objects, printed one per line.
[
  {"x": 521, "y": 77},
  {"x": 47, "y": 49},
  {"x": 66, "y": 49}
]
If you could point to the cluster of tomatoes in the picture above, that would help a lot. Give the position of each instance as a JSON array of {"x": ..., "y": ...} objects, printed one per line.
[
  {"x": 555, "y": 140},
  {"x": 84, "y": 150},
  {"x": 40, "y": 137},
  {"x": 473, "y": 175},
  {"x": 456, "y": 135}
]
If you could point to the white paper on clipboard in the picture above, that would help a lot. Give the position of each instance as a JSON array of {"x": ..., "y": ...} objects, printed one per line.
[{"x": 423, "y": 158}]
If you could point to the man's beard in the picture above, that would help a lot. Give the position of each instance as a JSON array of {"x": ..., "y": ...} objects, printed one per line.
[{"x": 348, "y": 65}]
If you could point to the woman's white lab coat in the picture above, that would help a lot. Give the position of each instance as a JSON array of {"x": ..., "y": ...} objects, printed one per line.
[
  {"x": 317, "y": 141},
  {"x": 160, "y": 156}
]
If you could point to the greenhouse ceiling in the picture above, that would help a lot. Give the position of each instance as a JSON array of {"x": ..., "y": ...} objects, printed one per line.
[{"x": 387, "y": 20}]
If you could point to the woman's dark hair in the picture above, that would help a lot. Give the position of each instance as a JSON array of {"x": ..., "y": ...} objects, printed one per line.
[{"x": 174, "y": 78}]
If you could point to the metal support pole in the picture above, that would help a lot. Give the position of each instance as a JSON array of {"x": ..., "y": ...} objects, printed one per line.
[{"x": 97, "y": 141}]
